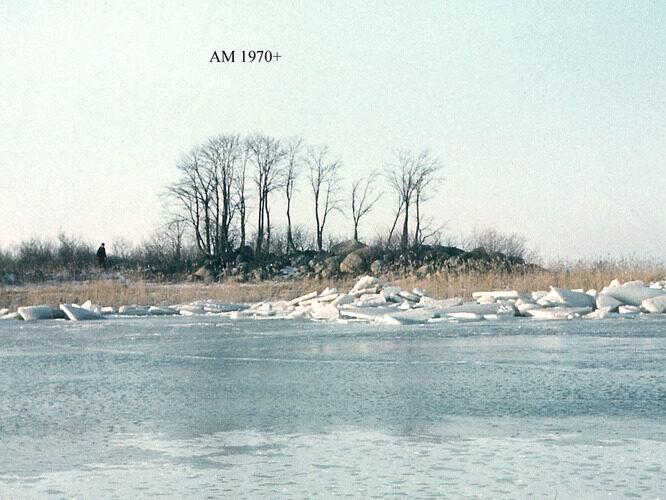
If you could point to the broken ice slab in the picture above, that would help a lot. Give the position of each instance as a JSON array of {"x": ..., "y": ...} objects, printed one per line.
[
  {"x": 302, "y": 298},
  {"x": 632, "y": 295},
  {"x": 655, "y": 304},
  {"x": 33, "y": 313},
  {"x": 558, "y": 312},
  {"x": 571, "y": 298},
  {"x": 498, "y": 294},
  {"x": 77, "y": 313}
]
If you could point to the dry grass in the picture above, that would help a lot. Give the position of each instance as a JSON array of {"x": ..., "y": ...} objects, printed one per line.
[
  {"x": 116, "y": 293},
  {"x": 584, "y": 275}
]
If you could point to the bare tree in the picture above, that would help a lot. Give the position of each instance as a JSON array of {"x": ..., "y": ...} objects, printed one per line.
[
  {"x": 363, "y": 198},
  {"x": 194, "y": 194},
  {"x": 492, "y": 241},
  {"x": 410, "y": 175},
  {"x": 426, "y": 182},
  {"x": 324, "y": 180},
  {"x": 266, "y": 154},
  {"x": 173, "y": 234},
  {"x": 293, "y": 161},
  {"x": 222, "y": 154},
  {"x": 205, "y": 195}
]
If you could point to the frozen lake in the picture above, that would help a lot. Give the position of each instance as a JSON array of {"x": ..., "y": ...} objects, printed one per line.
[{"x": 208, "y": 407}]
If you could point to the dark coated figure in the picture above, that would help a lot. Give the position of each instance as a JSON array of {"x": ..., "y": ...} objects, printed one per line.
[{"x": 101, "y": 256}]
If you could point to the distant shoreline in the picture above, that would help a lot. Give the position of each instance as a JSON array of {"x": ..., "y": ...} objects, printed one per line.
[{"x": 117, "y": 292}]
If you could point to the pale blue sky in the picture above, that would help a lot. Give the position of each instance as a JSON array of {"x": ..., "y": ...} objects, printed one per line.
[{"x": 548, "y": 116}]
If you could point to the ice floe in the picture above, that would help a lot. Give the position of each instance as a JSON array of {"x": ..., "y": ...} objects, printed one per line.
[
  {"x": 78, "y": 313},
  {"x": 379, "y": 301},
  {"x": 32, "y": 313}
]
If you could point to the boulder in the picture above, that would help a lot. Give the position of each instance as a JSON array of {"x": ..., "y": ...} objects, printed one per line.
[
  {"x": 478, "y": 253},
  {"x": 331, "y": 266},
  {"x": 440, "y": 253},
  {"x": 202, "y": 274},
  {"x": 424, "y": 271},
  {"x": 378, "y": 266},
  {"x": 354, "y": 263},
  {"x": 344, "y": 248}
]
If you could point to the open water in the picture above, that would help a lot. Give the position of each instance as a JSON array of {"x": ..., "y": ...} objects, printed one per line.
[{"x": 207, "y": 407}]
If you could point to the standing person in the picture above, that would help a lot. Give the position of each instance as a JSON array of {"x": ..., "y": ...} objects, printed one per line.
[{"x": 101, "y": 256}]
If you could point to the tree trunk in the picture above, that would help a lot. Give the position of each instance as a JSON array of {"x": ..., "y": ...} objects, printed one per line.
[
  {"x": 290, "y": 239},
  {"x": 268, "y": 228},
  {"x": 242, "y": 223},
  {"x": 395, "y": 222},
  {"x": 404, "y": 243},
  {"x": 260, "y": 225},
  {"x": 417, "y": 238}
]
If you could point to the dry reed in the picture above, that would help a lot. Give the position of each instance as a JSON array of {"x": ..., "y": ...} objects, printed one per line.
[{"x": 440, "y": 285}]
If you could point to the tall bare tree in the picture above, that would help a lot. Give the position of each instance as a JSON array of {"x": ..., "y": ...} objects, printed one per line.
[
  {"x": 222, "y": 154},
  {"x": 267, "y": 154},
  {"x": 426, "y": 182},
  {"x": 324, "y": 176},
  {"x": 291, "y": 170},
  {"x": 410, "y": 174},
  {"x": 364, "y": 195},
  {"x": 194, "y": 194}
]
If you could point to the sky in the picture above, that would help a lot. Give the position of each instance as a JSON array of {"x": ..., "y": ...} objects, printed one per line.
[{"x": 549, "y": 118}]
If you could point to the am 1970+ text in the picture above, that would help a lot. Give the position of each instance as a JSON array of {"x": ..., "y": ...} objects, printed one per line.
[{"x": 244, "y": 56}]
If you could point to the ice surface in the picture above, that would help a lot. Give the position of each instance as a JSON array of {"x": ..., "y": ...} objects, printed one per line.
[{"x": 207, "y": 407}]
